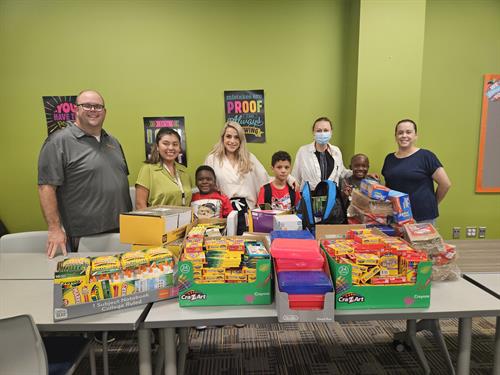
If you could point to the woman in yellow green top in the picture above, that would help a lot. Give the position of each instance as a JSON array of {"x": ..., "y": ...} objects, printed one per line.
[{"x": 161, "y": 180}]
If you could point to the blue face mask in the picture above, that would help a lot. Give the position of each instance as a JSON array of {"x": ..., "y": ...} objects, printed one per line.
[{"x": 322, "y": 138}]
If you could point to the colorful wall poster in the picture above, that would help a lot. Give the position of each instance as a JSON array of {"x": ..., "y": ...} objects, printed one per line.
[
  {"x": 488, "y": 173},
  {"x": 59, "y": 110},
  {"x": 247, "y": 109},
  {"x": 152, "y": 126}
]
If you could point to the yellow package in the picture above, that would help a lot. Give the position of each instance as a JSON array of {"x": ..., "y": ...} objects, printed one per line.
[
  {"x": 71, "y": 296},
  {"x": 215, "y": 244},
  {"x": 105, "y": 264},
  {"x": 133, "y": 259},
  {"x": 368, "y": 275},
  {"x": 159, "y": 255},
  {"x": 73, "y": 264},
  {"x": 389, "y": 265},
  {"x": 70, "y": 280},
  {"x": 367, "y": 259}
]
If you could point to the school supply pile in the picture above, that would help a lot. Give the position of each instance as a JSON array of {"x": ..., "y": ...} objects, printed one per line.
[
  {"x": 301, "y": 273},
  {"x": 218, "y": 260},
  {"x": 375, "y": 204},
  {"x": 216, "y": 271},
  {"x": 86, "y": 280},
  {"x": 375, "y": 259},
  {"x": 426, "y": 238},
  {"x": 371, "y": 270},
  {"x": 91, "y": 285}
]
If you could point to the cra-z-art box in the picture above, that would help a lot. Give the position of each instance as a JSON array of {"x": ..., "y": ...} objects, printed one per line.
[
  {"x": 253, "y": 288},
  {"x": 414, "y": 292}
]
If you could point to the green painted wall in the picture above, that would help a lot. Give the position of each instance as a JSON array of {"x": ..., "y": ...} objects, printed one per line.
[
  {"x": 153, "y": 58},
  {"x": 462, "y": 43},
  {"x": 391, "y": 46},
  {"x": 350, "y": 79}
]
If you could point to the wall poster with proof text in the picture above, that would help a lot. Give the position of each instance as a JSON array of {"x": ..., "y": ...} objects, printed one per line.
[
  {"x": 59, "y": 110},
  {"x": 247, "y": 109},
  {"x": 488, "y": 173},
  {"x": 152, "y": 126}
]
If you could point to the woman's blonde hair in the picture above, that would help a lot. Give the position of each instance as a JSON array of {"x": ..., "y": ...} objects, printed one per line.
[{"x": 243, "y": 155}]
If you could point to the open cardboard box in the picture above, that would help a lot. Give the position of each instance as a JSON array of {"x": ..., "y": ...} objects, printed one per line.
[
  {"x": 255, "y": 293},
  {"x": 351, "y": 297},
  {"x": 155, "y": 225}
]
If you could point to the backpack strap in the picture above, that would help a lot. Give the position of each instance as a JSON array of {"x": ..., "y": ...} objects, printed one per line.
[
  {"x": 291, "y": 192},
  {"x": 268, "y": 194}
]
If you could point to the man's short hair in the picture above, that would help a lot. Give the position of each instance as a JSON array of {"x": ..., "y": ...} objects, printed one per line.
[{"x": 280, "y": 156}]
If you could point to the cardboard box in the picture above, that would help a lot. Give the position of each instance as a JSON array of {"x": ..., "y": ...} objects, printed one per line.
[
  {"x": 365, "y": 203},
  {"x": 62, "y": 312},
  {"x": 287, "y": 222},
  {"x": 155, "y": 225},
  {"x": 286, "y": 314},
  {"x": 100, "y": 288},
  {"x": 224, "y": 294},
  {"x": 401, "y": 206},
  {"x": 373, "y": 189},
  {"x": 352, "y": 297}
]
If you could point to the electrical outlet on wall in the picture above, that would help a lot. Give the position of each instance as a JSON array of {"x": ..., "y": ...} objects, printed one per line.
[
  {"x": 471, "y": 232},
  {"x": 455, "y": 234},
  {"x": 482, "y": 232}
]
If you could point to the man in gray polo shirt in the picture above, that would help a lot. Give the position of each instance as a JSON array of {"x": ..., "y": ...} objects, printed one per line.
[{"x": 82, "y": 178}]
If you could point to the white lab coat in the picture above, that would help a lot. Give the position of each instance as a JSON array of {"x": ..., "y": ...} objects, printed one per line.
[
  {"x": 306, "y": 167},
  {"x": 232, "y": 184}
]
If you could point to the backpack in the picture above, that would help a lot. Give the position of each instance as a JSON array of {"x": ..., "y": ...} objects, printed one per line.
[
  {"x": 324, "y": 205},
  {"x": 268, "y": 194}
]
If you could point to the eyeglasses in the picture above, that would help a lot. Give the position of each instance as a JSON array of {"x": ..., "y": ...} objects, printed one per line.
[{"x": 91, "y": 107}]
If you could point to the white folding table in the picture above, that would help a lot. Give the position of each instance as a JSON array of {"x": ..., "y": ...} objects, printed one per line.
[
  {"x": 35, "y": 297},
  {"x": 454, "y": 299},
  {"x": 490, "y": 282}
]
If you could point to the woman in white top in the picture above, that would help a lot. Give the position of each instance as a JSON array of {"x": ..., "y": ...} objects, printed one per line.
[
  {"x": 239, "y": 173},
  {"x": 319, "y": 160}
]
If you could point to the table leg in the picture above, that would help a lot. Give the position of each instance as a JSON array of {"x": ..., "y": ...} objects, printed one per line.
[
  {"x": 105, "y": 358},
  {"x": 411, "y": 332},
  {"x": 160, "y": 353},
  {"x": 170, "y": 351},
  {"x": 496, "y": 363},
  {"x": 93, "y": 369},
  {"x": 464, "y": 345},
  {"x": 144, "y": 336},
  {"x": 183, "y": 349}
]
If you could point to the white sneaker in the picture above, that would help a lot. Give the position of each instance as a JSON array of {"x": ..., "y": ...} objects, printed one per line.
[{"x": 201, "y": 328}]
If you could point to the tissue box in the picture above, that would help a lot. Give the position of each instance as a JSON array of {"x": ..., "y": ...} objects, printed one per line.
[
  {"x": 400, "y": 206},
  {"x": 373, "y": 189}
]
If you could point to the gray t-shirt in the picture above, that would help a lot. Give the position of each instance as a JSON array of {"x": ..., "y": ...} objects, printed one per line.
[{"x": 91, "y": 179}]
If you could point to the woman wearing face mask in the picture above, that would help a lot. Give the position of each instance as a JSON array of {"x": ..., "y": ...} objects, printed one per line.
[
  {"x": 319, "y": 160},
  {"x": 161, "y": 180}
]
